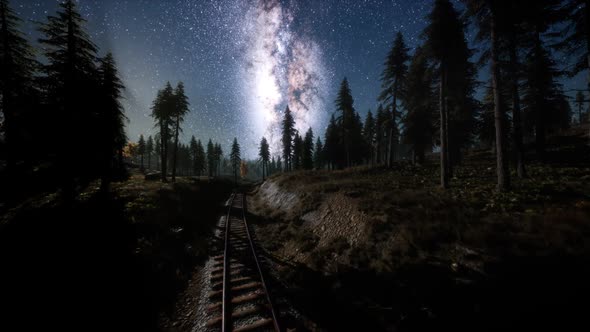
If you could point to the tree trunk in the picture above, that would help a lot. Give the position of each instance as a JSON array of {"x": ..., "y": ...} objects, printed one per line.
[
  {"x": 174, "y": 157},
  {"x": 516, "y": 119},
  {"x": 587, "y": 12},
  {"x": 540, "y": 116},
  {"x": 501, "y": 165},
  {"x": 163, "y": 153},
  {"x": 391, "y": 154},
  {"x": 447, "y": 131},
  {"x": 444, "y": 180}
]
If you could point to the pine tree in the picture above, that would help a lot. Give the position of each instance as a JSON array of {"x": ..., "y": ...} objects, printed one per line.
[
  {"x": 149, "y": 149},
  {"x": 162, "y": 112},
  {"x": 308, "y": 150},
  {"x": 358, "y": 147},
  {"x": 393, "y": 80},
  {"x": 489, "y": 14},
  {"x": 211, "y": 158},
  {"x": 346, "y": 120},
  {"x": 575, "y": 34},
  {"x": 141, "y": 150},
  {"x": 158, "y": 149},
  {"x": 381, "y": 134},
  {"x": 318, "y": 156},
  {"x": 200, "y": 159},
  {"x": 287, "y": 135},
  {"x": 332, "y": 147},
  {"x": 180, "y": 109},
  {"x": 235, "y": 158},
  {"x": 297, "y": 157},
  {"x": 264, "y": 154},
  {"x": 17, "y": 68},
  {"x": 541, "y": 92},
  {"x": 419, "y": 104},
  {"x": 446, "y": 46},
  {"x": 580, "y": 100},
  {"x": 71, "y": 82},
  {"x": 194, "y": 155},
  {"x": 279, "y": 163},
  {"x": 273, "y": 166},
  {"x": 487, "y": 120},
  {"x": 111, "y": 135},
  {"x": 369, "y": 137},
  {"x": 218, "y": 157}
]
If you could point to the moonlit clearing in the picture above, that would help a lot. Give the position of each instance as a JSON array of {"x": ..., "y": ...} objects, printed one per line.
[{"x": 281, "y": 67}]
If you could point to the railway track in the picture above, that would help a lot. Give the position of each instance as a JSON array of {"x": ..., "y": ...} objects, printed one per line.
[{"x": 240, "y": 297}]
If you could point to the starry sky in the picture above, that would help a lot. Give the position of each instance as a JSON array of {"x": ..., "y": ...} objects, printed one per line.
[{"x": 243, "y": 61}]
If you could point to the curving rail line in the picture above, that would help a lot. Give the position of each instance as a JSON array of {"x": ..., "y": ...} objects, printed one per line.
[{"x": 240, "y": 295}]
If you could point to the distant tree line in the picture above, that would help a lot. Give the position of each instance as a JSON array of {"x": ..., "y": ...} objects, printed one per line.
[
  {"x": 192, "y": 159},
  {"x": 171, "y": 157},
  {"x": 64, "y": 112},
  {"x": 427, "y": 99}
]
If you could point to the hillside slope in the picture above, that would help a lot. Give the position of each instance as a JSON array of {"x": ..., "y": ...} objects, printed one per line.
[{"x": 394, "y": 246}]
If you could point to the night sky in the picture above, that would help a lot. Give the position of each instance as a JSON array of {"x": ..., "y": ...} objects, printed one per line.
[{"x": 243, "y": 61}]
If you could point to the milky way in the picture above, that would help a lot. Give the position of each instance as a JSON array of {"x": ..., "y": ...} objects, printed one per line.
[{"x": 281, "y": 67}]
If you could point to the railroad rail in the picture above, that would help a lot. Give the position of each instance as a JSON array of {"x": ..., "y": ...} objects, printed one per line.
[{"x": 241, "y": 301}]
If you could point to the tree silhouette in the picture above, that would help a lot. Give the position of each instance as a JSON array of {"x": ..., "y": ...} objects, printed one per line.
[
  {"x": 541, "y": 93},
  {"x": 287, "y": 135},
  {"x": 490, "y": 13},
  {"x": 70, "y": 82},
  {"x": 180, "y": 109},
  {"x": 318, "y": 156},
  {"x": 369, "y": 137},
  {"x": 158, "y": 149},
  {"x": 201, "y": 164},
  {"x": 344, "y": 104},
  {"x": 580, "y": 100},
  {"x": 211, "y": 158},
  {"x": 297, "y": 157},
  {"x": 279, "y": 163},
  {"x": 446, "y": 46},
  {"x": 111, "y": 135},
  {"x": 235, "y": 158},
  {"x": 419, "y": 103},
  {"x": 17, "y": 68},
  {"x": 149, "y": 149},
  {"x": 141, "y": 150},
  {"x": 218, "y": 158},
  {"x": 273, "y": 166},
  {"x": 307, "y": 148},
  {"x": 264, "y": 154},
  {"x": 162, "y": 111},
  {"x": 575, "y": 34},
  {"x": 381, "y": 134},
  {"x": 332, "y": 147},
  {"x": 393, "y": 80}
]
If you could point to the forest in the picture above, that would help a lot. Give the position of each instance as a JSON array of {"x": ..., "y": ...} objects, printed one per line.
[{"x": 475, "y": 163}]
